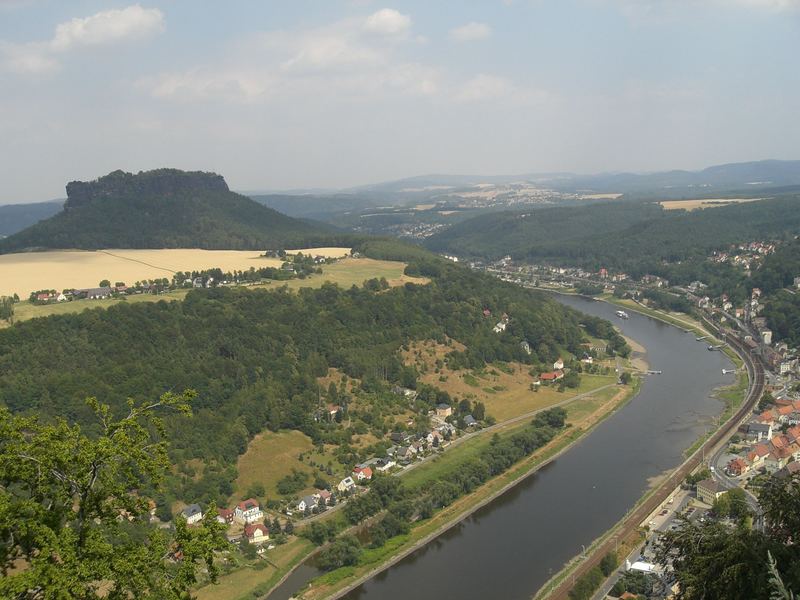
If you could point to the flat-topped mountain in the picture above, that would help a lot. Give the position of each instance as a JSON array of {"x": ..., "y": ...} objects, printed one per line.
[{"x": 164, "y": 208}]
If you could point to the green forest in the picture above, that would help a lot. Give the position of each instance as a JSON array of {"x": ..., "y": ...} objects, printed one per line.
[
  {"x": 254, "y": 355},
  {"x": 636, "y": 238}
]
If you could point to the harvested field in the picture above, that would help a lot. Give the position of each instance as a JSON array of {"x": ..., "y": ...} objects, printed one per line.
[{"x": 704, "y": 203}]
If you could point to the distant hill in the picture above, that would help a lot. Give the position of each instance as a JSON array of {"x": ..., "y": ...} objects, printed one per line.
[
  {"x": 630, "y": 236},
  {"x": 746, "y": 176},
  {"x": 16, "y": 217},
  {"x": 165, "y": 208}
]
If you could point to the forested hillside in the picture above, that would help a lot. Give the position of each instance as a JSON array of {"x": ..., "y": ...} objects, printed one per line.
[
  {"x": 254, "y": 355},
  {"x": 165, "y": 208},
  {"x": 16, "y": 217},
  {"x": 632, "y": 237},
  {"x": 775, "y": 278}
]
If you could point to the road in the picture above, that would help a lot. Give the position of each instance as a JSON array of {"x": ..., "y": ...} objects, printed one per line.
[{"x": 630, "y": 524}]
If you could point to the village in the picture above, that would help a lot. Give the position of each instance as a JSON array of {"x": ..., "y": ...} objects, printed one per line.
[{"x": 249, "y": 522}]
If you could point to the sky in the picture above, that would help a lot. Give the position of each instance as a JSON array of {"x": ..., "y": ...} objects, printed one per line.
[{"x": 335, "y": 93}]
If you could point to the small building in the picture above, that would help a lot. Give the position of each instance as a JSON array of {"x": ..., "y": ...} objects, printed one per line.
[
  {"x": 192, "y": 513},
  {"x": 709, "y": 490},
  {"x": 737, "y": 467},
  {"x": 225, "y": 516},
  {"x": 469, "y": 421},
  {"x": 385, "y": 464},
  {"x": 551, "y": 376},
  {"x": 757, "y": 432},
  {"x": 256, "y": 533},
  {"x": 307, "y": 503},
  {"x": 444, "y": 410},
  {"x": 248, "y": 511},
  {"x": 362, "y": 473},
  {"x": 559, "y": 364},
  {"x": 324, "y": 497},
  {"x": 346, "y": 484},
  {"x": 526, "y": 347}
]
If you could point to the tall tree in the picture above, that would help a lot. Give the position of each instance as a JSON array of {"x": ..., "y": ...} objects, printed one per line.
[{"x": 72, "y": 520}]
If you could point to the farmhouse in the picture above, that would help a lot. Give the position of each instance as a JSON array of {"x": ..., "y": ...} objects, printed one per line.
[{"x": 551, "y": 376}]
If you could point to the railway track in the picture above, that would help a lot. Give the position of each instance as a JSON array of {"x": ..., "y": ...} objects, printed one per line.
[{"x": 755, "y": 373}]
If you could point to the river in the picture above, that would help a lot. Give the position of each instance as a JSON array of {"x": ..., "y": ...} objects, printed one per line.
[{"x": 510, "y": 548}]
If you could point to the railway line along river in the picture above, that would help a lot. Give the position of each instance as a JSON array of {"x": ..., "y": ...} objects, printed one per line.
[{"x": 509, "y": 548}]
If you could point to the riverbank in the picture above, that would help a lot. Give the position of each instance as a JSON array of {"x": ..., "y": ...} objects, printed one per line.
[
  {"x": 742, "y": 394},
  {"x": 583, "y": 416}
]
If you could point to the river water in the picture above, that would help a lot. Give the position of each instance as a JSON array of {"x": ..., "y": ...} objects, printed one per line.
[{"x": 510, "y": 548}]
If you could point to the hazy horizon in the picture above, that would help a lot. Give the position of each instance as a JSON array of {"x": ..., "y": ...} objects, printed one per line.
[{"x": 304, "y": 95}]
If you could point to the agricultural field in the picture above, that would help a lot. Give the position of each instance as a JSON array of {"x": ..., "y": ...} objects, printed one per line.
[
  {"x": 700, "y": 204},
  {"x": 26, "y": 272},
  {"x": 346, "y": 273}
]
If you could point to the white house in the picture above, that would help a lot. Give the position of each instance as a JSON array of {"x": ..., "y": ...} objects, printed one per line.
[
  {"x": 558, "y": 365},
  {"x": 193, "y": 513},
  {"x": 248, "y": 512},
  {"x": 307, "y": 503},
  {"x": 346, "y": 484}
]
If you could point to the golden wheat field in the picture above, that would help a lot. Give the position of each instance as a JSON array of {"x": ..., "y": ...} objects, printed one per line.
[
  {"x": 704, "y": 203},
  {"x": 26, "y": 272}
]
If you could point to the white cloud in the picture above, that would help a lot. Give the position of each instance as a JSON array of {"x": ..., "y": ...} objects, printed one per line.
[
  {"x": 100, "y": 29},
  {"x": 387, "y": 21},
  {"x": 108, "y": 26},
  {"x": 470, "y": 32}
]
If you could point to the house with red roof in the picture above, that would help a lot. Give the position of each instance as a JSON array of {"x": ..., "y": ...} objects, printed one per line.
[
  {"x": 551, "y": 376},
  {"x": 225, "y": 516},
  {"x": 248, "y": 511},
  {"x": 256, "y": 533},
  {"x": 737, "y": 467},
  {"x": 362, "y": 473}
]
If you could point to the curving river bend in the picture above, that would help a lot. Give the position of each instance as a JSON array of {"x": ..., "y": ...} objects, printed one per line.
[{"x": 510, "y": 548}]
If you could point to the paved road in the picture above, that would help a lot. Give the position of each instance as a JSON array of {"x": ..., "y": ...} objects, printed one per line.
[{"x": 720, "y": 438}]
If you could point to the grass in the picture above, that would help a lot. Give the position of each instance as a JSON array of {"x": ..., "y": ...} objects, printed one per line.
[
  {"x": 269, "y": 457},
  {"x": 355, "y": 271},
  {"x": 242, "y": 583}
]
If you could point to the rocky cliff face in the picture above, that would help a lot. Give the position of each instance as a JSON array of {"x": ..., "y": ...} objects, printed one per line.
[{"x": 160, "y": 182}]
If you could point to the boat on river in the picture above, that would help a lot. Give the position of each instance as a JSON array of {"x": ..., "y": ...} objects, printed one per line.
[{"x": 622, "y": 314}]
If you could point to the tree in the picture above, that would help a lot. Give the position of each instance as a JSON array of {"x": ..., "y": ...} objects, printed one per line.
[
  {"x": 256, "y": 490},
  {"x": 608, "y": 563},
  {"x": 711, "y": 560},
  {"x": 62, "y": 494},
  {"x": 625, "y": 378},
  {"x": 344, "y": 551},
  {"x": 105, "y": 283},
  {"x": 7, "y": 309}
]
